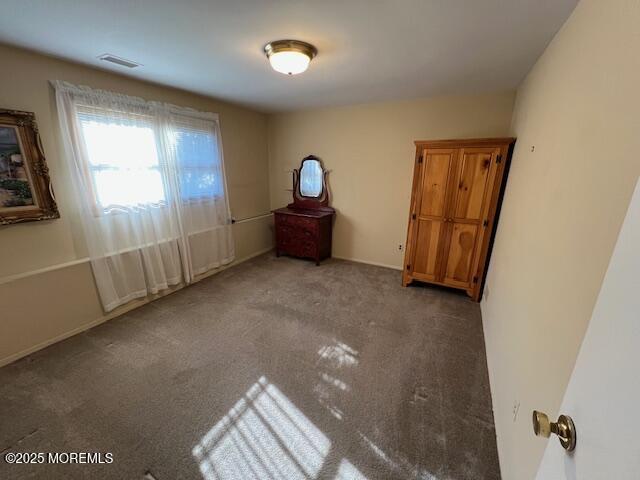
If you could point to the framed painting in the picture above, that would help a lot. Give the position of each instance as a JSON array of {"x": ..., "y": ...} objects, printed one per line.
[{"x": 25, "y": 188}]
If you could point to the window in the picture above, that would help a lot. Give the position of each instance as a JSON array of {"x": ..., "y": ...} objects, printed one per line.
[
  {"x": 197, "y": 154},
  {"x": 124, "y": 165},
  {"x": 150, "y": 193}
]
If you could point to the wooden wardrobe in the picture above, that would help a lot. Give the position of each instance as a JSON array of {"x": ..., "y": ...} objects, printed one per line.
[{"x": 456, "y": 187}]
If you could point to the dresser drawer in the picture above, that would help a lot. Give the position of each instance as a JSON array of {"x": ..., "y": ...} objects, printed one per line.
[
  {"x": 308, "y": 225},
  {"x": 303, "y": 249}
]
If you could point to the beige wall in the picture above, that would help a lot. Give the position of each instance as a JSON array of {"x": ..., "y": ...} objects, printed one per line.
[
  {"x": 369, "y": 150},
  {"x": 563, "y": 208},
  {"x": 29, "y": 247}
]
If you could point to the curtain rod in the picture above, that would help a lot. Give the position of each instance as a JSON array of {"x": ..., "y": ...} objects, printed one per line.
[{"x": 247, "y": 219}]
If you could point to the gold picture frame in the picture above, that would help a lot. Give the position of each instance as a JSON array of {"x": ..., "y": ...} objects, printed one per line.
[{"x": 25, "y": 188}]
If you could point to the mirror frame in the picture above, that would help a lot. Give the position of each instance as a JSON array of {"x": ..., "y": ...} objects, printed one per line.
[{"x": 302, "y": 201}]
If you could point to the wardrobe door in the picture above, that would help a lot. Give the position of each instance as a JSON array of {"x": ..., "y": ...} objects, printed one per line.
[
  {"x": 429, "y": 209},
  {"x": 475, "y": 171}
]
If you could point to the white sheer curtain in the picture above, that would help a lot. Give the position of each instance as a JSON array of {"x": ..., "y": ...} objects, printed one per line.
[
  {"x": 150, "y": 186},
  {"x": 193, "y": 146}
]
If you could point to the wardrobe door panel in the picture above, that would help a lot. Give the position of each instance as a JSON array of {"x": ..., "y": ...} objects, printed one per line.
[
  {"x": 435, "y": 178},
  {"x": 472, "y": 185},
  {"x": 459, "y": 266},
  {"x": 429, "y": 211},
  {"x": 428, "y": 238},
  {"x": 472, "y": 182}
]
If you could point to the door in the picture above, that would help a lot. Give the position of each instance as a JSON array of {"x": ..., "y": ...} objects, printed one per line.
[
  {"x": 475, "y": 171},
  {"x": 603, "y": 395},
  {"x": 429, "y": 212}
]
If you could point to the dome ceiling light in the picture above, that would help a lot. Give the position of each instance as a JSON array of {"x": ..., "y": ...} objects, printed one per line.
[{"x": 290, "y": 56}]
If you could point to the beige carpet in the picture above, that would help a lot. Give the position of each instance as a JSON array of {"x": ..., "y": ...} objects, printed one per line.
[{"x": 274, "y": 368}]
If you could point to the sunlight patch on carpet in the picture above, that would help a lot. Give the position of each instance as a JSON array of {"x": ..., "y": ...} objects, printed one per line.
[{"x": 265, "y": 436}]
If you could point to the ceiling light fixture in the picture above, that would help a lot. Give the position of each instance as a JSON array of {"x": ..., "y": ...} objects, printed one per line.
[{"x": 290, "y": 56}]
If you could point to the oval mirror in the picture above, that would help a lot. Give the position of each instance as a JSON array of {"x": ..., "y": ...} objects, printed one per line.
[{"x": 311, "y": 178}]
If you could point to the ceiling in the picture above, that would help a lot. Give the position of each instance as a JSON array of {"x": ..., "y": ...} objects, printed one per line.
[{"x": 369, "y": 50}]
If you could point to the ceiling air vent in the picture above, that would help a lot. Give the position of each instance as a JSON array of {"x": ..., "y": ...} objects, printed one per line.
[{"x": 107, "y": 57}]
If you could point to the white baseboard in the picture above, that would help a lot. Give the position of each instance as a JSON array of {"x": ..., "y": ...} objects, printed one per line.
[
  {"x": 377, "y": 264},
  {"x": 120, "y": 311},
  {"x": 71, "y": 263},
  {"x": 17, "y": 356}
]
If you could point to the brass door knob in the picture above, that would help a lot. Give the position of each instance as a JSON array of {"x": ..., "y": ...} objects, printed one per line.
[{"x": 563, "y": 428}]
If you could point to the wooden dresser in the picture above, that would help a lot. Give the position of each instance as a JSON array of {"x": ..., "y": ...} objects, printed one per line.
[
  {"x": 304, "y": 227},
  {"x": 303, "y": 233}
]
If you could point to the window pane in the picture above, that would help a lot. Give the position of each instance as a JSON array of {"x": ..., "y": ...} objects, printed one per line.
[
  {"x": 123, "y": 161},
  {"x": 118, "y": 145},
  {"x": 198, "y": 164},
  {"x": 127, "y": 188}
]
